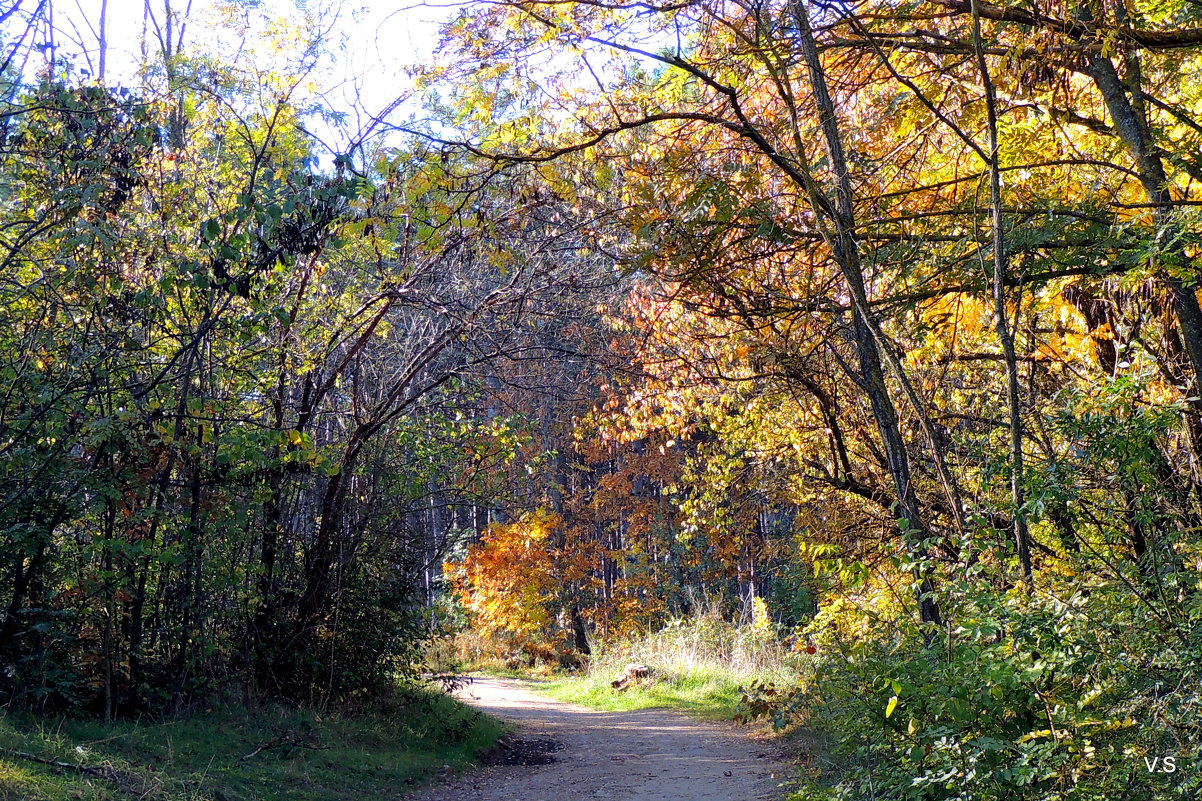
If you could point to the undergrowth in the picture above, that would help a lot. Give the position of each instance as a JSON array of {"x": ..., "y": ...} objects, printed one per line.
[
  {"x": 1030, "y": 697},
  {"x": 471, "y": 651}
]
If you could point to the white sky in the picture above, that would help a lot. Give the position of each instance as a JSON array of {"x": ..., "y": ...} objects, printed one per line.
[
  {"x": 369, "y": 46},
  {"x": 371, "y": 43}
]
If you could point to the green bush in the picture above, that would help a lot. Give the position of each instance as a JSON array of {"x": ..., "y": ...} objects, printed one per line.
[{"x": 1027, "y": 697}]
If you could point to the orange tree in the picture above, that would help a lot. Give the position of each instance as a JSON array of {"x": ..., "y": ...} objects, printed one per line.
[{"x": 508, "y": 580}]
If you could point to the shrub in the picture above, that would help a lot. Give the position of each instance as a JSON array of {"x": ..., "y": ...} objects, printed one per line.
[{"x": 1027, "y": 697}]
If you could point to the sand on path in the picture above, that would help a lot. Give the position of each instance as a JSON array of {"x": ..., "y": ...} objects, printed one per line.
[{"x": 646, "y": 755}]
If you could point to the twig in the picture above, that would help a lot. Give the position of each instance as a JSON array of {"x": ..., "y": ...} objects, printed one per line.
[{"x": 125, "y": 782}]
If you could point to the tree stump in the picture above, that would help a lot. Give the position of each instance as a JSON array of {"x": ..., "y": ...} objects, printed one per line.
[{"x": 634, "y": 671}]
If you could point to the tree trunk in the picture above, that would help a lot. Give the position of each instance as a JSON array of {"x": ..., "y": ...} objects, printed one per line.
[
  {"x": 1022, "y": 541},
  {"x": 847, "y": 255},
  {"x": 1132, "y": 129}
]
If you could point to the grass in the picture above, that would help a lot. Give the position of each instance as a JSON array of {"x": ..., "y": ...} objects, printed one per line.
[
  {"x": 709, "y": 695},
  {"x": 699, "y": 666},
  {"x": 304, "y": 756}
]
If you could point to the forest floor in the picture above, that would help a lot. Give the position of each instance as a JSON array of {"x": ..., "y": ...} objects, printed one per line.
[{"x": 563, "y": 752}]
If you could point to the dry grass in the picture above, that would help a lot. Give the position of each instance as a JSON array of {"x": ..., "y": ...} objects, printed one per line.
[
  {"x": 702, "y": 644},
  {"x": 468, "y": 651}
]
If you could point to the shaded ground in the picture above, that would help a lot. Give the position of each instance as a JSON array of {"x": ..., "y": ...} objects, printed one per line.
[{"x": 646, "y": 755}]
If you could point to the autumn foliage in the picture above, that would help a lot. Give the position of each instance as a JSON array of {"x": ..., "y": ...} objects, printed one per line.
[{"x": 508, "y": 580}]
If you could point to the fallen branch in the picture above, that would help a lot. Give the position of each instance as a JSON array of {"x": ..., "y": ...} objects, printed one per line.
[
  {"x": 127, "y": 783},
  {"x": 286, "y": 739},
  {"x": 103, "y": 773}
]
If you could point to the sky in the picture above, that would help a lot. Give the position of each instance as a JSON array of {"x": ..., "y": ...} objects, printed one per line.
[
  {"x": 371, "y": 43},
  {"x": 368, "y": 47}
]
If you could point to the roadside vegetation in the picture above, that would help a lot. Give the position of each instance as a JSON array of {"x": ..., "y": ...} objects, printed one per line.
[
  {"x": 226, "y": 753},
  {"x": 701, "y": 665}
]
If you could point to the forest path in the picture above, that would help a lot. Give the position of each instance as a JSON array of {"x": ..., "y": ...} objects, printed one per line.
[{"x": 645, "y": 755}]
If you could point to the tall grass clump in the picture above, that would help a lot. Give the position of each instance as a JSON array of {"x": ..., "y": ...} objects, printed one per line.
[{"x": 704, "y": 644}]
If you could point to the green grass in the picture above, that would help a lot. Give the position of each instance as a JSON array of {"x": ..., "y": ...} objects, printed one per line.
[
  {"x": 699, "y": 666},
  {"x": 205, "y": 757},
  {"x": 713, "y": 695}
]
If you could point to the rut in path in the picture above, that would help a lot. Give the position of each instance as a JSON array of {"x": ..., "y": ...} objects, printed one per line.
[{"x": 647, "y": 755}]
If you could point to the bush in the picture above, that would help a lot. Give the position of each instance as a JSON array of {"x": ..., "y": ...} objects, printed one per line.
[{"x": 1028, "y": 697}]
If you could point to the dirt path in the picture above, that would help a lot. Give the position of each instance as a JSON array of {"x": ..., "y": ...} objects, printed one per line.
[{"x": 648, "y": 755}]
